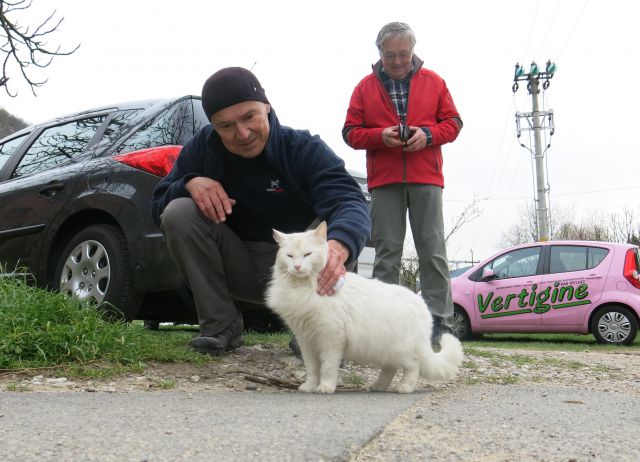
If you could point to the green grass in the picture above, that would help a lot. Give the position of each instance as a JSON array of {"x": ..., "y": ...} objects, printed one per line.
[
  {"x": 17, "y": 387},
  {"x": 558, "y": 342},
  {"x": 41, "y": 329}
]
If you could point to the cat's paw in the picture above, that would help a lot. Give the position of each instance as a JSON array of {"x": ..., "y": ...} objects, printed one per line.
[
  {"x": 405, "y": 388},
  {"x": 325, "y": 388},
  {"x": 377, "y": 387},
  {"x": 307, "y": 387}
]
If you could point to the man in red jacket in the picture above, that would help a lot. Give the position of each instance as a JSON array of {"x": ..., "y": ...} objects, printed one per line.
[{"x": 402, "y": 114}]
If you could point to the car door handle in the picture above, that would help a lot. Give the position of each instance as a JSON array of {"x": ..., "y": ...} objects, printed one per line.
[{"x": 51, "y": 189}]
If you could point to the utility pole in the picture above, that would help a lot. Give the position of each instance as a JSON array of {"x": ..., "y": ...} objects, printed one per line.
[{"x": 537, "y": 122}]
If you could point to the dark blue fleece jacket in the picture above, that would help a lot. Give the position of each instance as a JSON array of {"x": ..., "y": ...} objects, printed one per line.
[{"x": 296, "y": 179}]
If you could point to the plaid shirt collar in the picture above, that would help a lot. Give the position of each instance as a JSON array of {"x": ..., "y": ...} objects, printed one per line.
[{"x": 398, "y": 91}]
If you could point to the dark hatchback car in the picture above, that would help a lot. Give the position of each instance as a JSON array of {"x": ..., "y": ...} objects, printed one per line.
[
  {"x": 75, "y": 208},
  {"x": 75, "y": 198}
]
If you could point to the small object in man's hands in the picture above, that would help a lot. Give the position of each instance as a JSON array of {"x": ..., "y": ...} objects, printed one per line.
[
  {"x": 339, "y": 283},
  {"x": 404, "y": 132}
]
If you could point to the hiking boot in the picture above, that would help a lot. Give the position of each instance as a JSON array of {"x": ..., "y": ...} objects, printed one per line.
[
  {"x": 440, "y": 326},
  {"x": 228, "y": 339}
]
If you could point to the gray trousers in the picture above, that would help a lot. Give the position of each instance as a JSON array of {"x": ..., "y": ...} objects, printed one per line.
[
  {"x": 389, "y": 205},
  {"x": 215, "y": 263}
]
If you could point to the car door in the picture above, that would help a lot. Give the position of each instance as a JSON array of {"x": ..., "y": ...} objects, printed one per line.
[
  {"x": 39, "y": 185},
  {"x": 573, "y": 282},
  {"x": 505, "y": 298}
]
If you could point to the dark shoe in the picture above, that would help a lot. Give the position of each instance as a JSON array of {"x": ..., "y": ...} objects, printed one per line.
[
  {"x": 293, "y": 344},
  {"x": 440, "y": 326},
  {"x": 228, "y": 339},
  {"x": 150, "y": 324}
]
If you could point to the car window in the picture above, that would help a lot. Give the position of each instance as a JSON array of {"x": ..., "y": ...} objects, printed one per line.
[
  {"x": 199, "y": 117},
  {"x": 8, "y": 148},
  {"x": 120, "y": 121},
  {"x": 58, "y": 145},
  {"x": 117, "y": 126},
  {"x": 172, "y": 127},
  {"x": 517, "y": 263},
  {"x": 565, "y": 258}
]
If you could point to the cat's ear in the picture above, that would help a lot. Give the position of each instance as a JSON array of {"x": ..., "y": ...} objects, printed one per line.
[
  {"x": 278, "y": 236},
  {"x": 321, "y": 230}
]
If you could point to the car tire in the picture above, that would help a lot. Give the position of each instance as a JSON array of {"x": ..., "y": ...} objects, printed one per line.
[
  {"x": 614, "y": 324},
  {"x": 460, "y": 324},
  {"x": 95, "y": 265}
]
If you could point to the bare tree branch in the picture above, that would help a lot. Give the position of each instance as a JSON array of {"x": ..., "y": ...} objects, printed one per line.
[
  {"x": 596, "y": 226},
  {"x": 25, "y": 47},
  {"x": 470, "y": 213}
]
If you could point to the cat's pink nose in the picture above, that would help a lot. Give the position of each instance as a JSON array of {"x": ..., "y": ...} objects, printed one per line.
[{"x": 297, "y": 267}]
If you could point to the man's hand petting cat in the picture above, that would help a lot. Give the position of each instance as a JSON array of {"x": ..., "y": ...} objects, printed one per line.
[
  {"x": 334, "y": 269},
  {"x": 211, "y": 198}
]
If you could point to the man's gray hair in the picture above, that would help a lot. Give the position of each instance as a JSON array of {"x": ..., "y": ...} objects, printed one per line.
[{"x": 392, "y": 30}]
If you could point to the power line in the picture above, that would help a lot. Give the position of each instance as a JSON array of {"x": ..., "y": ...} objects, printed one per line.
[
  {"x": 513, "y": 198},
  {"x": 572, "y": 29},
  {"x": 546, "y": 35}
]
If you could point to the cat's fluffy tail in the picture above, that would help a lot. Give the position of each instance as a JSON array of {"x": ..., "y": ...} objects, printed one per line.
[{"x": 443, "y": 365}]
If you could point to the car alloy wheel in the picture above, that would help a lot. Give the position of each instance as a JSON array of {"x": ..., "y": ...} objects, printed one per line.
[
  {"x": 615, "y": 325},
  {"x": 460, "y": 325},
  {"x": 86, "y": 272},
  {"x": 94, "y": 265}
]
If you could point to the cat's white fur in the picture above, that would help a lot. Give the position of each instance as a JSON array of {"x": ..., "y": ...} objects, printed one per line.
[{"x": 366, "y": 321}]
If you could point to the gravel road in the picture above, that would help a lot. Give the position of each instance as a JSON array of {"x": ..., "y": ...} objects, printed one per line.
[{"x": 507, "y": 405}]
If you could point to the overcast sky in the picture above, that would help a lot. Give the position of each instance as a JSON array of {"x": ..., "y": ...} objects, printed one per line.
[{"x": 310, "y": 55}]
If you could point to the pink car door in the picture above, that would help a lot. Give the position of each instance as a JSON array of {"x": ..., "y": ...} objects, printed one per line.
[
  {"x": 506, "y": 294},
  {"x": 574, "y": 282}
]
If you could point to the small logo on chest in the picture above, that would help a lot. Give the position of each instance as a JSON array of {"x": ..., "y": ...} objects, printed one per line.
[{"x": 274, "y": 186}]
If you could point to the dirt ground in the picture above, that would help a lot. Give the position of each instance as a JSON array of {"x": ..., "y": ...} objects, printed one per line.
[{"x": 269, "y": 368}]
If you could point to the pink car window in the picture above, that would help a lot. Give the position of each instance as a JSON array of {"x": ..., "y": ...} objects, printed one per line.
[{"x": 565, "y": 258}]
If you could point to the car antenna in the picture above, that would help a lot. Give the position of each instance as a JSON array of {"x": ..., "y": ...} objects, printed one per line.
[{"x": 254, "y": 63}]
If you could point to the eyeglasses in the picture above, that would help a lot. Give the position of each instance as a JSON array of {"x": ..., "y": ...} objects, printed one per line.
[{"x": 403, "y": 55}]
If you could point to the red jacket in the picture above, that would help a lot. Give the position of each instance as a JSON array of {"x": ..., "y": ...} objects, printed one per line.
[{"x": 371, "y": 110}]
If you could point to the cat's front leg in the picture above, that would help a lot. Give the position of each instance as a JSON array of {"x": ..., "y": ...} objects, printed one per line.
[
  {"x": 311, "y": 366},
  {"x": 308, "y": 387},
  {"x": 329, "y": 370}
]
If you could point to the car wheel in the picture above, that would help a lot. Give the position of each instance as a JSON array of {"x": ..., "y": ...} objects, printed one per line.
[
  {"x": 460, "y": 324},
  {"x": 614, "y": 324},
  {"x": 95, "y": 265}
]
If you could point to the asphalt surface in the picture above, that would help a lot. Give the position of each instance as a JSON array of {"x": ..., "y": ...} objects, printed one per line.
[
  {"x": 171, "y": 426},
  {"x": 481, "y": 422}
]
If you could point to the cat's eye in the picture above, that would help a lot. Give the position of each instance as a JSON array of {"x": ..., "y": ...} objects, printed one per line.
[
  {"x": 289, "y": 255},
  {"x": 307, "y": 254}
]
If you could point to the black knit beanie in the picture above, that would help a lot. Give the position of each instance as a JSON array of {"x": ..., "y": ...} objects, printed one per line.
[{"x": 229, "y": 86}]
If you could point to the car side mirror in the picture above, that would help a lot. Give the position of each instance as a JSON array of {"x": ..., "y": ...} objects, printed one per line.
[{"x": 488, "y": 275}]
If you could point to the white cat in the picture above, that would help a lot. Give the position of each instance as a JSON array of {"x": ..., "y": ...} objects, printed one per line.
[{"x": 366, "y": 321}]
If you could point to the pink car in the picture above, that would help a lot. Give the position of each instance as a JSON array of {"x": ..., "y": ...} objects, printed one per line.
[{"x": 564, "y": 286}]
